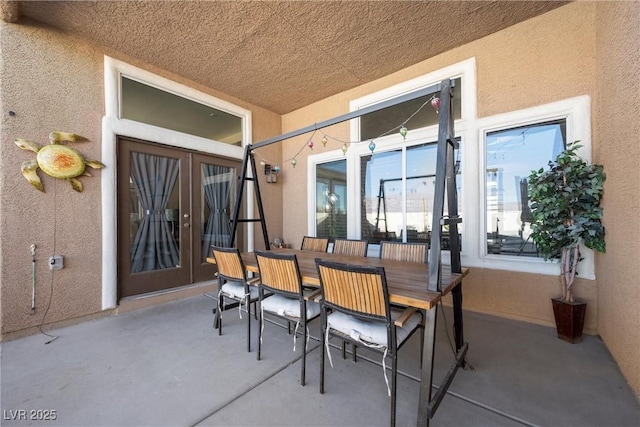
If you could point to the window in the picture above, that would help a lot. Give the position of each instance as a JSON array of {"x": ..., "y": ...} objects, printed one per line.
[
  {"x": 512, "y": 145},
  {"x": 379, "y": 122},
  {"x": 398, "y": 205},
  {"x": 511, "y": 155},
  {"x": 390, "y": 191},
  {"x": 331, "y": 199},
  {"x": 147, "y": 104}
]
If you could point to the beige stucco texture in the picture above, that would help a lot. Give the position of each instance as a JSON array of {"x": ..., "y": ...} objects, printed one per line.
[
  {"x": 617, "y": 131},
  {"x": 52, "y": 81},
  {"x": 55, "y": 84},
  {"x": 323, "y": 48},
  {"x": 545, "y": 59}
]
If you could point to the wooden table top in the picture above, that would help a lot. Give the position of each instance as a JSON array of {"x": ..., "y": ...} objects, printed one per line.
[{"x": 407, "y": 282}]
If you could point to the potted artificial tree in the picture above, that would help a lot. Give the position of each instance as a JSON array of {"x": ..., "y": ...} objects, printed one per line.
[{"x": 565, "y": 203}]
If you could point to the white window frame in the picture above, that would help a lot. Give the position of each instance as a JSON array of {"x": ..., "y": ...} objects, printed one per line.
[
  {"x": 312, "y": 162},
  {"x": 113, "y": 126},
  {"x": 466, "y": 70},
  {"x": 577, "y": 113},
  {"x": 472, "y": 132}
]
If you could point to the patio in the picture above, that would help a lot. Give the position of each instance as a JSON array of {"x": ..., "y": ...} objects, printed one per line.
[{"x": 165, "y": 365}]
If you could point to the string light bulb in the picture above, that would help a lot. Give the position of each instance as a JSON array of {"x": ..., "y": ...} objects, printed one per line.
[
  {"x": 262, "y": 163},
  {"x": 435, "y": 103},
  {"x": 404, "y": 131}
]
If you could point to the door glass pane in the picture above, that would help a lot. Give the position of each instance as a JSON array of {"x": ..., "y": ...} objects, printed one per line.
[
  {"x": 154, "y": 212},
  {"x": 331, "y": 199},
  {"x": 511, "y": 156},
  {"x": 147, "y": 104},
  {"x": 378, "y": 123},
  {"x": 218, "y": 195},
  {"x": 381, "y": 190}
]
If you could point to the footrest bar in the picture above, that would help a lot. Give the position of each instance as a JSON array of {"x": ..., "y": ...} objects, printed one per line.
[
  {"x": 230, "y": 306},
  {"x": 446, "y": 381}
]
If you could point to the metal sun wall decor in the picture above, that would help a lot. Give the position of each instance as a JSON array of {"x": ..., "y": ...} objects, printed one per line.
[{"x": 57, "y": 160}]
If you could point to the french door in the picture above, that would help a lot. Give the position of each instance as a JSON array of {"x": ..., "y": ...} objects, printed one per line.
[{"x": 173, "y": 204}]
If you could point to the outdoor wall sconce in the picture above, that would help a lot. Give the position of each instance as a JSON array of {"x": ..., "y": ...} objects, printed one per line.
[{"x": 271, "y": 173}]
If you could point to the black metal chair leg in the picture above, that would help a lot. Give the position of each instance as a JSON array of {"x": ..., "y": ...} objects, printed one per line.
[
  {"x": 421, "y": 347},
  {"x": 394, "y": 375},
  {"x": 355, "y": 357},
  {"x": 304, "y": 352},
  {"x": 248, "y": 330},
  {"x": 219, "y": 320},
  {"x": 322, "y": 344},
  {"x": 260, "y": 322}
]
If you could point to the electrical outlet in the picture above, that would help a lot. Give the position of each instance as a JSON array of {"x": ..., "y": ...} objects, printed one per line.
[{"x": 56, "y": 262}]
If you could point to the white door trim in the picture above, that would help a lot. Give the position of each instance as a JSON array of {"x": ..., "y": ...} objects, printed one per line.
[{"x": 113, "y": 126}]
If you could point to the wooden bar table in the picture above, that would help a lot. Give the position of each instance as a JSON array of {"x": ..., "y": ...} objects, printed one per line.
[{"x": 407, "y": 284}]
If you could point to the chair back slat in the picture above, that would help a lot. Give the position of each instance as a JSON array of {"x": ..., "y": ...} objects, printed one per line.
[
  {"x": 279, "y": 272},
  {"x": 360, "y": 290},
  {"x": 407, "y": 252},
  {"x": 229, "y": 263},
  {"x": 350, "y": 247},
  {"x": 316, "y": 244}
]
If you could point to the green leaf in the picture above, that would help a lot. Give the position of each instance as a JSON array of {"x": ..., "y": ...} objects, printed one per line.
[{"x": 570, "y": 190}]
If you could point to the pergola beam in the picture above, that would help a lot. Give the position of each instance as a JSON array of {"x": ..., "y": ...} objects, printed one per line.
[{"x": 435, "y": 88}]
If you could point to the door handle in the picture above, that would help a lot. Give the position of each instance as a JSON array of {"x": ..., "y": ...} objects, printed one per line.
[{"x": 186, "y": 215}]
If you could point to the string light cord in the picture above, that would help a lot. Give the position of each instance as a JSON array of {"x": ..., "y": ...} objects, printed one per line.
[
  {"x": 448, "y": 334},
  {"x": 55, "y": 222},
  {"x": 502, "y": 147},
  {"x": 346, "y": 143},
  {"x": 428, "y": 101},
  {"x": 395, "y": 128},
  {"x": 309, "y": 143}
]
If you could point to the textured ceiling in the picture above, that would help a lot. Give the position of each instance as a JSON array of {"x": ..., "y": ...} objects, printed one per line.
[{"x": 282, "y": 55}]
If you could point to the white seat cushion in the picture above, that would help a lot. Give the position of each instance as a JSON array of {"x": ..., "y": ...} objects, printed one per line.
[
  {"x": 236, "y": 290},
  {"x": 281, "y": 305},
  {"x": 371, "y": 332}
]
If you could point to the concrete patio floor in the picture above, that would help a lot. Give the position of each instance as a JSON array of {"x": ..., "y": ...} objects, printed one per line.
[{"x": 165, "y": 366}]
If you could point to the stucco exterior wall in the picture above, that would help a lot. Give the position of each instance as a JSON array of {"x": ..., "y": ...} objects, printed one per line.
[
  {"x": 585, "y": 48},
  {"x": 617, "y": 131},
  {"x": 545, "y": 59},
  {"x": 51, "y": 83},
  {"x": 56, "y": 82}
]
